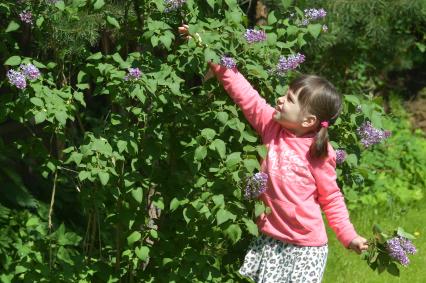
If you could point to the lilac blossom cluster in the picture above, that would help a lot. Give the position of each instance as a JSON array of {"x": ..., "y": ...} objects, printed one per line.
[
  {"x": 313, "y": 14},
  {"x": 133, "y": 74},
  {"x": 340, "y": 156},
  {"x": 256, "y": 185},
  {"x": 289, "y": 63},
  {"x": 398, "y": 248},
  {"x": 26, "y": 71},
  {"x": 172, "y": 5},
  {"x": 17, "y": 79},
  {"x": 370, "y": 135},
  {"x": 26, "y": 17},
  {"x": 253, "y": 35},
  {"x": 228, "y": 62},
  {"x": 30, "y": 71}
]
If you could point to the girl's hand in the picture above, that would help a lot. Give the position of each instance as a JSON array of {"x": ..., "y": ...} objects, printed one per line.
[
  {"x": 183, "y": 30},
  {"x": 358, "y": 244}
]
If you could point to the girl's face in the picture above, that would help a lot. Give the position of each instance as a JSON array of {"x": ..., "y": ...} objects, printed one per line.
[{"x": 288, "y": 112}]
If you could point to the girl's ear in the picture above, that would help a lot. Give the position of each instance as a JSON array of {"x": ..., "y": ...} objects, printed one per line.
[{"x": 309, "y": 121}]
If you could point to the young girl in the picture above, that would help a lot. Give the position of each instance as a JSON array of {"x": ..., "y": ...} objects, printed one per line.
[{"x": 302, "y": 179}]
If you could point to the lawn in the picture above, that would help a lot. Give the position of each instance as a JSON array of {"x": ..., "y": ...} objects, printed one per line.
[{"x": 347, "y": 266}]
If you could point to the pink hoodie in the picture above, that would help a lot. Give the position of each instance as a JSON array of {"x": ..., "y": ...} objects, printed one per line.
[{"x": 298, "y": 187}]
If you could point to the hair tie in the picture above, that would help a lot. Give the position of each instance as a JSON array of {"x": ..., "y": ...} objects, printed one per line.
[{"x": 324, "y": 124}]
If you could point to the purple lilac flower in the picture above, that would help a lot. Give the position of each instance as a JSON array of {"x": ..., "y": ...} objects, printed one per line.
[
  {"x": 407, "y": 245},
  {"x": 133, "y": 74},
  {"x": 17, "y": 79},
  {"x": 228, "y": 62},
  {"x": 314, "y": 14},
  {"x": 370, "y": 135},
  {"x": 289, "y": 63},
  {"x": 30, "y": 71},
  {"x": 253, "y": 35},
  {"x": 340, "y": 156},
  {"x": 26, "y": 17},
  {"x": 398, "y": 247},
  {"x": 172, "y": 5},
  {"x": 256, "y": 185},
  {"x": 324, "y": 28}
]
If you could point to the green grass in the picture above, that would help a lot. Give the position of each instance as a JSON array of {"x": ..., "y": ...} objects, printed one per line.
[{"x": 346, "y": 266}]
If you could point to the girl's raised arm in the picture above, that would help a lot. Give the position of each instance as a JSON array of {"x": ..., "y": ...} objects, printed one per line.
[{"x": 255, "y": 108}]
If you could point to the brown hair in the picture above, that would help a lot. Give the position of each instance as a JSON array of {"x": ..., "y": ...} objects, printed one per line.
[{"x": 319, "y": 97}]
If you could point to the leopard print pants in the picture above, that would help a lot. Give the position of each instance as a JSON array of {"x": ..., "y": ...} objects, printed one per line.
[{"x": 269, "y": 260}]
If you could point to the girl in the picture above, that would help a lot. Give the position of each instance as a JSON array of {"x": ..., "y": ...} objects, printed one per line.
[{"x": 302, "y": 179}]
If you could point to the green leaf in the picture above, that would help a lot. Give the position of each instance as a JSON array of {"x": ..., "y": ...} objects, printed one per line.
[
  {"x": 13, "y": 61},
  {"x": 39, "y": 21},
  {"x": 286, "y": 3},
  {"x": 222, "y": 117},
  {"x": 224, "y": 215},
  {"x": 95, "y": 56},
  {"x": 60, "y": 5},
  {"x": 211, "y": 3},
  {"x": 271, "y": 18},
  {"x": 40, "y": 117},
  {"x": 174, "y": 204},
  {"x": 251, "y": 227},
  {"x": 314, "y": 29},
  {"x": 208, "y": 133},
  {"x": 352, "y": 160},
  {"x": 393, "y": 269},
  {"x": 262, "y": 150},
  {"x": 33, "y": 221},
  {"x": 37, "y": 101},
  {"x": 233, "y": 232},
  {"x": 142, "y": 252},
  {"x": 259, "y": 208},
  {"x": 233, "y": 159},
  {"x": 219, "y": 200},
  {"x": 122, "y": 146},
  {"x": 113, "y": 21},
  {"x": 103, "y": 177},
  {"x": 12, "y": 26},
  {"x": 98, "y": 4},
  {"x": 135, "y": 236},
  {"x": 137, "y": 194},
  {"x": 61, "y": 116},
  {"x": 353, "y": 99},
  {"x": 83, "y": 175},
  {"x": 220, "y": 147},
  {"x": 200, "y": 153},
  {"x": 251, "y": 165}
]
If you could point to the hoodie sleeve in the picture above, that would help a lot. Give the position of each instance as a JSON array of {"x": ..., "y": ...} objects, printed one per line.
[
  {"x": 256, "y": 110},
  {"x": 332, "y": 201}
]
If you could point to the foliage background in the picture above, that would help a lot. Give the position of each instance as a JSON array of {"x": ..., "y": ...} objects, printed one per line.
[{"x": 108, "y": 180}]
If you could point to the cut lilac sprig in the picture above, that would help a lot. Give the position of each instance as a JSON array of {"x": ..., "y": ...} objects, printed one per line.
[
  {"x": 256, "y": 185},
  {"x": 399, "y": 247}
]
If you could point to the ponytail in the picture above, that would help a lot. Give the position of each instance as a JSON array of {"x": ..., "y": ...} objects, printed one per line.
[{"x": 319, "y": 146}]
